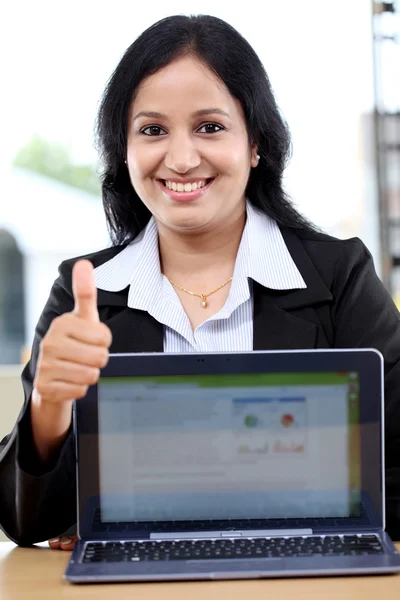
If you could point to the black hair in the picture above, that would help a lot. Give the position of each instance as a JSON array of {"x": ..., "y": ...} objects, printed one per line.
[{"x": 219, "y": 46}]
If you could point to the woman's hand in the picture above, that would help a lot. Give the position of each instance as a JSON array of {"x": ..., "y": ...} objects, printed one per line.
[
  {"x": 65, "y": 542},
  {"x": 75, "y": 346},
  {"x": 71, "y": 355}
]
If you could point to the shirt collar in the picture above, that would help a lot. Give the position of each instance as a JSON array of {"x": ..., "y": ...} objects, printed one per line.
[
  {"x": 269, "y": 260},
  {"x": 262, "y": 256},
  {"x": 139, "y": 262}
]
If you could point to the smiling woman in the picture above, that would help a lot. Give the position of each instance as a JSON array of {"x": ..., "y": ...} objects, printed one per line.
[
  {"x": 212, "y": 159},
  {"x": 208, "y": 113},
  {"x": 208, "y": 255}
]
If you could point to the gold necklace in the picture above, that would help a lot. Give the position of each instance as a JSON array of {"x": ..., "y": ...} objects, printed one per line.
[{"x": 202, "y": 296}]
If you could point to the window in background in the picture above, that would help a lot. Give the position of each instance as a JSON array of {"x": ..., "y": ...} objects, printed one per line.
[
  {"x": 386, "y": 52},
  {"x": 12, "y": 314}
]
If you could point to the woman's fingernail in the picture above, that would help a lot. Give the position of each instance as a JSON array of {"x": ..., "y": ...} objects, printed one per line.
[
  {"x": 54, "y": 540},
  {"x": 65, "y": 541}
]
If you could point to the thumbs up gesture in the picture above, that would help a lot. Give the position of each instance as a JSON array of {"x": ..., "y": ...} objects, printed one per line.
[{"x": 75, "y": 347}]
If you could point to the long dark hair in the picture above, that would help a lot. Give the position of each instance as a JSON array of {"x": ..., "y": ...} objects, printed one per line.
[{"x": 218, "y": 45}]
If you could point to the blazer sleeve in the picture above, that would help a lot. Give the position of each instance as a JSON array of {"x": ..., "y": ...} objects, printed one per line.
[
  {"x": 365, "y": 316},
  {"x": 38, "y": 504}
]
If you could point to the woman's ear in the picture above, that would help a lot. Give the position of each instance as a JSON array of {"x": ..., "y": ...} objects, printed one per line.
[{"x": 255, "y": 157}]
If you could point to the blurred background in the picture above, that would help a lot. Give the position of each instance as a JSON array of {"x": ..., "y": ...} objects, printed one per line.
[{"x": 335, "y": 70}]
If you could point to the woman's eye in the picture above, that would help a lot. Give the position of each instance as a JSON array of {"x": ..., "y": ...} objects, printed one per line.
[
  {"x": 210, "y": 128},
  {"x": 152, "y": 130}
]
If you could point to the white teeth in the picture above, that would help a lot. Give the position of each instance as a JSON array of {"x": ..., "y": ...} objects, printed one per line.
[{"x": 184, "y": 187}]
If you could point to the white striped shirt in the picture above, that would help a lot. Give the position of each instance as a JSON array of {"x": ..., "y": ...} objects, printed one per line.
[{"x": 262, "y": 257}]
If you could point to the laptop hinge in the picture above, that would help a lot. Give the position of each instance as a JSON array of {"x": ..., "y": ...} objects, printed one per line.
[{"x": 183, "y": 535}]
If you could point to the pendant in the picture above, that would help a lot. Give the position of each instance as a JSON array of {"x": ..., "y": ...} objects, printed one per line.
[{"x": 204, "y": 301}]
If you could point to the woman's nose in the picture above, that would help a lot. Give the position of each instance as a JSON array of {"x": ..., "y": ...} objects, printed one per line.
[{"x": 182, "y": 155}]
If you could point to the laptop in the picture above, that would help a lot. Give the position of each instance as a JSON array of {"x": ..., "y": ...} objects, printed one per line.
[{"x": 232, "y": 466}]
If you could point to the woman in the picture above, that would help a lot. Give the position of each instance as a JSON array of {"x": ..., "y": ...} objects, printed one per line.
[{"x": 208, "y": 254}]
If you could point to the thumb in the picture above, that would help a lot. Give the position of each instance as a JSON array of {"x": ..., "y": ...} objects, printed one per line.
[{"x": 84, "y": 290}]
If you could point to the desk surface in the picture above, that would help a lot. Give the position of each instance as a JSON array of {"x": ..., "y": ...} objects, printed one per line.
[{"x": 37, "y": 573}]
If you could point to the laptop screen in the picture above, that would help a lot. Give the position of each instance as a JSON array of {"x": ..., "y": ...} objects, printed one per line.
[{"x": 229, "y": 446}]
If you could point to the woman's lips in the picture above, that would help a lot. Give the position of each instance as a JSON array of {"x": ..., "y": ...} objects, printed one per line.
[{"x": 184, "y": 196}]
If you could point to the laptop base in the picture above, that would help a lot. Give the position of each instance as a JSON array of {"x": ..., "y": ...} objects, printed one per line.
[{"x": 314, "y": 566}]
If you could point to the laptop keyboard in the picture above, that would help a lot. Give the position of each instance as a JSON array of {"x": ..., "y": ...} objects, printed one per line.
[{"x": 202, "y": 549}]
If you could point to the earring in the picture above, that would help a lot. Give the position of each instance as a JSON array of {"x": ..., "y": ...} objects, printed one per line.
[{"x": 258, "y": 156}]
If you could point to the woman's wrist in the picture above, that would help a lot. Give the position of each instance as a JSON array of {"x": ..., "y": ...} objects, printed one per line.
[{"x": 50, "y": 423}]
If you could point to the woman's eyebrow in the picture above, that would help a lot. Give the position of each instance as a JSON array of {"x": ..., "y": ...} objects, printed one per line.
[
  {"x": 208, "y": 111},
  {"x": 151, "y": 114}
]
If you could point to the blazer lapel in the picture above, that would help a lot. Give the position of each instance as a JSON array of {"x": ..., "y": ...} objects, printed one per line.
[
  {"x": 132, "y": 330},
  {"x": 276, "y": 327}
]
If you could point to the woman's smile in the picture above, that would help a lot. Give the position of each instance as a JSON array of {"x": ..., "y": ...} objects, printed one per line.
[{"x": 185, "y": 190}]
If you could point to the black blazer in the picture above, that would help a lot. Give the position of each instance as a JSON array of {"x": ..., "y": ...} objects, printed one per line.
[{"x": 344, "y": 305}]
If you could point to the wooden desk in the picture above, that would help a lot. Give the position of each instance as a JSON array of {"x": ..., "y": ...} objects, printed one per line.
[{"x": 36, "y": 573}]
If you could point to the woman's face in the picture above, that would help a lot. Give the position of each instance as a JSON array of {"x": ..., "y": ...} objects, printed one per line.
[{"x": 186, "y": 132}]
